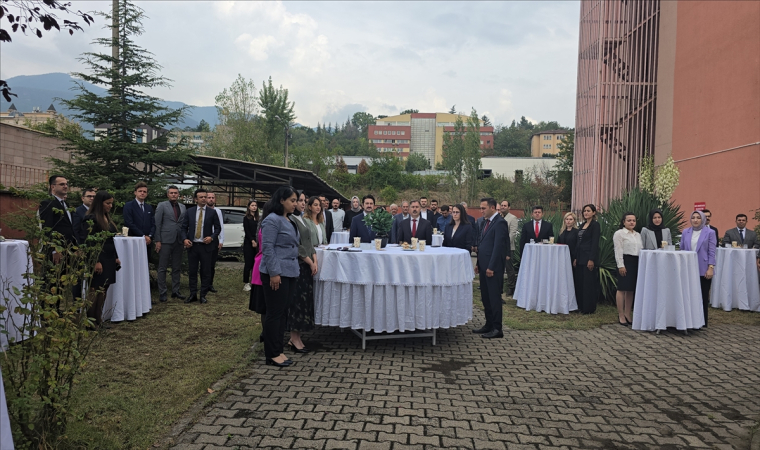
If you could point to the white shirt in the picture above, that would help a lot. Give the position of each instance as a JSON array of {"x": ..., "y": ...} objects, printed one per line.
[
  {"x": 338, "y": 215},
  {"x": 221, "y": 221},
  {"x": 626, "y": 243},
  {"x": 140, "y": 204},
  {"x": 67, "y": 210},
  {"x": 423, "y": 214},
  {"x": 695, "y": 238}
]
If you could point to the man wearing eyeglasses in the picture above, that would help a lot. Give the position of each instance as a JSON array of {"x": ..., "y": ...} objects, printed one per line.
[{"x": 87, "y": 197}]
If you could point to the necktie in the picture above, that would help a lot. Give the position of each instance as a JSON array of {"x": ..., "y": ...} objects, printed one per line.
[
  {"x": 536, "y": 230},
  {"x": 199, "y": 226},
  {"x": 414, "y": 227},
  {"x": 142, "y": 206},
  {"x": 66, "y": 209},
  {"x": 486, "y": 227},
  {"x": 741, "y": 234},
  {"x": 176, "y": 211}
]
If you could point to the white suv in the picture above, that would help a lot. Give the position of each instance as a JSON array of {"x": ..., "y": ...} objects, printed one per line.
[{"x": 233, "y": 228}]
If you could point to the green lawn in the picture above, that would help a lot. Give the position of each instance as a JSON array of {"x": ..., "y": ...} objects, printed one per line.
[{"x": 143, "y": 375}]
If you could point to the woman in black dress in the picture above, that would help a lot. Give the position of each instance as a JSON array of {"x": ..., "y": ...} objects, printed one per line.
[
  {"x": 250, "y": 246},
  {"x": 587, "y": 262},
  {"x": 108, "y": 263},
  {"x": 301, "y": 312},
  {"x": 569, "y": 235},
  {"x": 458, "y": 232}
]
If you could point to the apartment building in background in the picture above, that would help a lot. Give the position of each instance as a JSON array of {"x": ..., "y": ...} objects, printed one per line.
[
  {"x": 420, "y": 133},
  {"x": 670, "y": 78},
  {"x": 546, "y": 143}
]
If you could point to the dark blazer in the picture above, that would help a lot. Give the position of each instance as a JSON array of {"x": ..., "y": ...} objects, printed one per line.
[
  {"x": 211, "y": 225},
  {"x": 139, "y": 223},
  {"x": 360, "y": 229},
  {"x": 424, "y": 231},
  {"x": 717, "y": 235},
  {"x": 463, "y": 238},
  {"x": 76, "y": 221},
  {"x": 250, "y": 225},
  {"x": 588, "y": 247},
  {"x": 569, "y": 238},
  {"x": 329, "y": 226},
  {"x": 528, "y": 232},
  {"x": 493, "y": 246},
  {"x": 397, "y": 219},
  {"x": 54, "y": 217},
  {"x": 108, "y": 251}
]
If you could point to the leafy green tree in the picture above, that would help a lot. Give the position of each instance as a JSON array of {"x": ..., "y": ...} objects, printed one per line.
[
  {"x": 409, "y": 111},
  {"x": 388, "y": 194},
  {"x": 362, "y": 121},
  {"x": 472, "y": 160},
  {"x": 116, "y": 158},
  {"x": 453, "y": 110},
  {"x": 454, "y": 152},
  {"x": 203, "y": 126},
  {"x": 415, "y": 162},
  {"x": 362, "y": 168},
  {"x": 564, "y": 166},
  {"x": 277, "y": 113},
  {"x": 486, "y": 121}
]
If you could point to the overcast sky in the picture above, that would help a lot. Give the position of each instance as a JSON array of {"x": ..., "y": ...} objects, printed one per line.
[{"x": 505, "y": 59}]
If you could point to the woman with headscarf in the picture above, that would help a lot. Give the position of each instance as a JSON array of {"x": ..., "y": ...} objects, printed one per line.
[
  {"x": 654, "y": 234},
  {"x": 701, "y": 239},
  {"x": 356, "y": 209}
]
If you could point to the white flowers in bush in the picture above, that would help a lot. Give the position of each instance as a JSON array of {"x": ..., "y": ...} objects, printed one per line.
[{"x": 661, "y": 182}]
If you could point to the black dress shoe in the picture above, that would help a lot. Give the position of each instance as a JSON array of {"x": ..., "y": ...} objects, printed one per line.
[
  {"x": 191, "y": 299},
  {"x": 177, "y": 295},
  {"x": 298, "y": 350},
  {"x": 481, "y": 330},
  {"x": 163, "y": 299},
  {"x": 286, "y": 363},
  {"x": 492, "y": 334},
  {"x": 203, "y": 300},
  {"x": 212, "y": 290}
]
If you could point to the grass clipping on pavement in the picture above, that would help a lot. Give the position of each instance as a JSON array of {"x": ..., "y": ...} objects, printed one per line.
[{"x": 142, "y": 376}]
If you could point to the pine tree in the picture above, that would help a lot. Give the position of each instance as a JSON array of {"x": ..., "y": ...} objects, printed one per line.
[{"x": 117, "y": 157}]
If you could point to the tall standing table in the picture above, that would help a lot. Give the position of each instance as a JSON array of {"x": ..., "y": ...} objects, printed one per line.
[
  {"x": 545, "y": 281},
  {"x": 14, "y": 263},
  {"x": 735, "y": 284},
  {"x": 668, "y": 292},
  {"x": 129, "y": 297},
  {"x": 393, "y": 290}
]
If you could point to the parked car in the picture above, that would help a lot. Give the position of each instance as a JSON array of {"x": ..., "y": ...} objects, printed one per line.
[{"x": 233, "y": 228}]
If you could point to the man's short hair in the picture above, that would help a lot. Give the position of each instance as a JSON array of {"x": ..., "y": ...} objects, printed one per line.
[
  {"x": 141, "y": 184},
  {"x": 199, "y": 191},
  {"x": 89, "y": 190},
  {"x": 320, "y": 197},
  {"x": 444, "y": 207},
  {"x": 508, "y": 204},
  {"x": 423, "y": 197},
  {"x": 392, "y": 205},
  {"x": 415, "y": 201},
  {"x": 431, "y": 201},
  {"x": 405, "y": 201},
  {"x": 489, "y": 200},
  {"x": 172, "y": 187},
  {"x": 51, "y": 180},
  {"x": 740, "y": 215},
  {"x": 706, "y": 211},
  {"x": 537, "y": 207},
  {"x": 370, "y": 196}
]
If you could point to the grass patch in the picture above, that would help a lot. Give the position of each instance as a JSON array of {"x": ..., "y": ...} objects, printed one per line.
[
  {"x": 143, "y": 375},
  {"x": 519, "y": 319}
]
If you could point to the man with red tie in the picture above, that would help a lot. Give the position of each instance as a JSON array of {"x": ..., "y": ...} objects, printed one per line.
[
  {"x": 415, "y": 226},
  {"x": 537, "y": 229}
]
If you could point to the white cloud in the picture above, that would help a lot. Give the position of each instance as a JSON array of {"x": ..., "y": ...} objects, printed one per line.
[{"x": 257, "y": 47}]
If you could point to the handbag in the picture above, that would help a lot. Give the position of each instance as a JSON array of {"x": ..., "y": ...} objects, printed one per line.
[{"x": 255, "y": 273}]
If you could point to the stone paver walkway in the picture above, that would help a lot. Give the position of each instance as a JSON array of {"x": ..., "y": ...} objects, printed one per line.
[{"x": 610, "y": 388}]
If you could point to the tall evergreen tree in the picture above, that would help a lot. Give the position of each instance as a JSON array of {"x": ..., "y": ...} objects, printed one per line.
[
  {"x": 277, "y": 113},
  {"x": 117, "y": 157}
]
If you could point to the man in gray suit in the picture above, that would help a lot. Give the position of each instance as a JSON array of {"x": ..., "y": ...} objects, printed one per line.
[
  {"x": 169, "y": 215},
  {"x": 511, "y": 279},
  {"x": 741, "y": 234}
]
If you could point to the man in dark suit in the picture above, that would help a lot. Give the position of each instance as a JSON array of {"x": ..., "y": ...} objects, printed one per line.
[
  {"x": 169, "y": 217},
  {"x": 78, "y": 217},
  {"x": 327, "y": 217},
  {"x": 358, "y": 227},
  {"x": 435, "y": 214},
  {"x": 493, "y": 249},
  {"x": 199, "y": 231},
  {"x": 537, "y": 229},
  {"x": 741, "y": 234},
  {"x": 415, "y": 226},
  {"x": 397, "y": 219},
  {"x": 138, "y": 215},
  {"x": 55, "y": 217},
  {"x": 708, "y": 215}
]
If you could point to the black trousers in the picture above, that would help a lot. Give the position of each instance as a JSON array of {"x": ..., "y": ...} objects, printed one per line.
[
  {"x": 249, "y": 256},
  {"x": 200, "y": 254},
  {"x": 705, "y": 284},
  {"x": 490, "y": 295},
  {"x": 277, "y": 303}
]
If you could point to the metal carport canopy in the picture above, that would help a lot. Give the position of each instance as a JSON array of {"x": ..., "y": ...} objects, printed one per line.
[{"x": 242, "y": 175}]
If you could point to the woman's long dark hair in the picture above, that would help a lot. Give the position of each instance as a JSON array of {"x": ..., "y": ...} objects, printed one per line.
[
  {"x": 102, "y": 218},
  {"x": 274, "y": 205},
  {"x": 462, "y": 214},
  {"x": 255, "y": 215}
]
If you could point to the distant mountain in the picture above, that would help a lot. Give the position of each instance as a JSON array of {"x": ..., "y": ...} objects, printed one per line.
[{"x": 40, "y": 90}]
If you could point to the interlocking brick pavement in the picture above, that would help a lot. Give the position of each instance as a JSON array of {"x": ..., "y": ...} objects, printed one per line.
[{"x": 608, "y": 388}]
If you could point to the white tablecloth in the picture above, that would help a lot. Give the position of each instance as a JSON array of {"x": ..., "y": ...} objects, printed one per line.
[
  {"x": 14, "y": 263},
  {"x": 667, "y": 291},
  {"x": 393, "y": 290},
  {"x": 129, "y": 297},
  {"x": 437, "y": 240},
  {"x": 339, "y": 237},
  {"x": 735, "y": 283},
  {"x": 545, "y": 281},
  {"x": 6, "y": 438}
]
